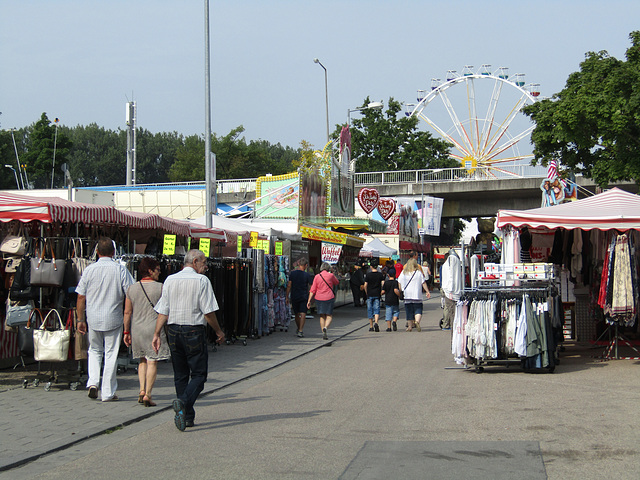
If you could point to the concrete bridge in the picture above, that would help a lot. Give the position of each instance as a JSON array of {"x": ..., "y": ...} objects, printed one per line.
[{"x": 480, "y": 193}]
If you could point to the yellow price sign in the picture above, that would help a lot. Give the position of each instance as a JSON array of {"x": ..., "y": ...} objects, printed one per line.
[
  {"x": 239, "y": 241},
  {"x": 169, "y": 245},
  {"x": 205, "y": 246},
  {"x": 278, "y": 248},
  {"x": 253, "y": 240}
]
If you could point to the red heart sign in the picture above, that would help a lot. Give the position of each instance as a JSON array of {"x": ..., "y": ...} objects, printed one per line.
[
  {"x": 386, "y": 207},
  {"x": 368, "y": 199}
]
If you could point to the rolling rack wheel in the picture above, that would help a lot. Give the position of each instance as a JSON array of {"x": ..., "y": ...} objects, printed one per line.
[
  {"x": 74, "y": 385},
  {"x": 47, "y": 386},
  {"x": 479, "y": 369},
  {"x": 36, "y": 382},
  {"x": 25, "y": 383}
]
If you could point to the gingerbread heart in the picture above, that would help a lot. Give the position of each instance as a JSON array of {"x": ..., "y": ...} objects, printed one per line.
[
  {"x": 386, "y": 207},
  {"x": 368, "y": 199}
]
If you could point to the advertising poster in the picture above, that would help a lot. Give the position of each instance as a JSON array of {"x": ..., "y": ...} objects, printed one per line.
[
  {"x": 277, "y": 196},
  {"x": 330, "y": 252},
  {"x": 431, "y": 214},
  {"x": 313, "y": 198},
  {"x": 342, "y": 184}
]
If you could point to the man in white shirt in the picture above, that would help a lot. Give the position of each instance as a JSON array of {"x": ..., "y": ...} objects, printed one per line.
[
  {"x": 187, "y": 304},
  {"x": 100, "y": 307}
]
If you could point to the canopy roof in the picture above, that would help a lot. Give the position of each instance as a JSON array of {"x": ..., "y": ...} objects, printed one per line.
[
  {"x": 52, "y": 209},
  {"x": 377, "y": 248},
  {"x": 613, "y": 209}
]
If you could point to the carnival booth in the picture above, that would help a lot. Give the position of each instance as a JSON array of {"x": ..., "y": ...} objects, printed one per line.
[
  {"x": 59, "y": 237},
  {"x": 591, "y": 246}
]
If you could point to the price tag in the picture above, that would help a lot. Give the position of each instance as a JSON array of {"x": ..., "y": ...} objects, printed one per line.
[
  {"x": 253, "y": 240},
  {"x": 239, "y": 241},
  {"x": 278, "y": 248},
  {"x": 169, "y": 246},
  {"x": 205, "y": 246}
]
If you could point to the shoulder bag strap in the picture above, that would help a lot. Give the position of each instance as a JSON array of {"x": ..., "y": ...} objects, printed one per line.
[
  {"x": 327, "y": 283},
  {"x": 145, "y": 294}
]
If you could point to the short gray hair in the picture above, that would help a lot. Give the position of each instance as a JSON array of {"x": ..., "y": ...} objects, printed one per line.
[
  {"x": 325, "y": 267},
  {"x": 192, "y": 255}
]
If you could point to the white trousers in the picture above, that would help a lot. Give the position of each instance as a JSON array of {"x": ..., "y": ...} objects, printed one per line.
[{"x": 105, "y": 344}]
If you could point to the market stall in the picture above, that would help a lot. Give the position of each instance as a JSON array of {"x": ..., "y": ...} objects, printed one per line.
[{"x": 593, "y": 242}]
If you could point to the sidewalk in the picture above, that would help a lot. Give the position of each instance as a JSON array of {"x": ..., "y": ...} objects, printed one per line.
[{"x": 35, "y": 422}]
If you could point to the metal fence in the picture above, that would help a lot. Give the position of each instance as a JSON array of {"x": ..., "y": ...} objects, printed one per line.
[{"x": 449, "y": 175}]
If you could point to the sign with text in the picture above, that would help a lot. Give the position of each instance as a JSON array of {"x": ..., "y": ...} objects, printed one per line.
[
  {"x": 330, "y": 252},
  {"x": 239, "y": 241},
  {"x": 169, "y": 245},
  {"x": 278, "y": 248},
  {"x": 205, "y": 246},
  {"x": 253, "y": 239}
]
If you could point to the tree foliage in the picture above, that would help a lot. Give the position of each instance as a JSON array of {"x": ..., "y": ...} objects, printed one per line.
[
  {"x": 389, "y": 140},
  {"x": 592, "y": 126}
]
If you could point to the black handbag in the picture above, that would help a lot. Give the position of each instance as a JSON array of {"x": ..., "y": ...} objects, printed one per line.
[
  {"x": 21, "y": 288},
  {"x": 25, "y": 333}
]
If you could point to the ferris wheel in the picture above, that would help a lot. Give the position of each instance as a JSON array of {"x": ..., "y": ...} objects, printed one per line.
[{"x": 479, "y": 114}]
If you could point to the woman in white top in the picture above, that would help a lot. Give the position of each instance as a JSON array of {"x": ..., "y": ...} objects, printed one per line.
[{"x": 412, "y": 283}]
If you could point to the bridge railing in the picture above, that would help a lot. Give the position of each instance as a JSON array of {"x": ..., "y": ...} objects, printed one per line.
[{"x": 449, "y": 175}]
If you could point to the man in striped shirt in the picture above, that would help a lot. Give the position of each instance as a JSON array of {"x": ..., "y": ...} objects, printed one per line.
[
  {"x": 100, "y": 308},
  {"x": 187, "y": 304}
]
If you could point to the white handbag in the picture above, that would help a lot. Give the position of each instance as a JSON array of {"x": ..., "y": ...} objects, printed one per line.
[
  {"x": 51, "y": 346},
  {"x": 14, "y": 244}
]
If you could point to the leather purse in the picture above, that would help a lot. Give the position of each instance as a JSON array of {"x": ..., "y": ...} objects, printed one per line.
[
  {"x": 51, "y": 345},
  {"x": 18, "y": 313},
  {"x": 14, "y": 244},
  {"x": 25, "y": 333},
  {"x": 76, "y": 264},
  {"x": 47, "y": 273}
]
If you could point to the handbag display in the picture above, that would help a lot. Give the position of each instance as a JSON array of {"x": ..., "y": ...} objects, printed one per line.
[
  {"x": 76, "y": 263},
  {"x": 18, "y": 313},
  {"x": 14, "y": 244},
  {"x": 21, "y": 288},
  {"x": 51, "y": 345},
  {"x": 47, "y": 273},
  {"x": 12, "y": 264},
  {"x": 25, "y": 333}
]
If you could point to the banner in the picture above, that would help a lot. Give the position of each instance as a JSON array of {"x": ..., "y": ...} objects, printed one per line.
[
  {"x": 431, "y": 214},
  {"x": 330, "y": 252},
  {"x": 169, "y": 245}
]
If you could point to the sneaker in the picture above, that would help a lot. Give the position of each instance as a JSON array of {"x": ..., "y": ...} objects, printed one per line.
[
  {"x": 179, "y": 420},
  {"x": 112, "y": 399},
  {"x": 300, "y": 334},
  {"x": 376, "y": 327},
  {"x": 388, "y": 329},
  {"x": 324, "y": 334},
  {"x": 371, "y": 329},
  {"x": 418, "y": 327},
  {"x": 188, "y": 423},
  {"x": 93, "y": 392},
  {"x": 395, "y": 326}
]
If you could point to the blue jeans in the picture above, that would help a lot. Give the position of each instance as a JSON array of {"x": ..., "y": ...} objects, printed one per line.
[
  {"x": 412, "y": 309},
  {"x": 190, "y": 359},
  {"x": 391, "y": 312},
  {"x": 373, "y": 306}
]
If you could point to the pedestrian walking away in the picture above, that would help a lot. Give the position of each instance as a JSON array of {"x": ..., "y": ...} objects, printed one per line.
[
  {"x": 298, "y": 290},
  {"x": 140, "y": 324},
  {"x": 323, "y": 290},
  {"x": 356, "y": 282},
  {"x": 187, "y": 305},
  {"x": 391, "y": 293},
  {"x": 101, "y": 293},
  {"x": 373, "y": 288},
  {"x": 412, "y": 283}
]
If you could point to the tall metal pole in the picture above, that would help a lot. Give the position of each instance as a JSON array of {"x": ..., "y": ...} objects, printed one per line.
[
  {"x": 17, "y": 158},
  {"x": 209, "y": 202},
  {"x": 326, "y": 93},
  {"x": 53, "y": 164}
]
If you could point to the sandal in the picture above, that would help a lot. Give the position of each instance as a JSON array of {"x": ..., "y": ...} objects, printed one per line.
[
  {"x": 148, "y": 402},
  {"x": 141, "y": 396}
]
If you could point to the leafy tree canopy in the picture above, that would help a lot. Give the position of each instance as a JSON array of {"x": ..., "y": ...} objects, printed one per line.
[
  {"x": 592, "y": 126},
  {"x": 389, "y": 140}
]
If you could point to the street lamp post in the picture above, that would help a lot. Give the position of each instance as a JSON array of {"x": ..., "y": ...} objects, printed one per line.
[
  {"x": 326, "y": 93},
  {"x": 55, "y": 141},
  {"x": 371, "y": 105},
  {"x": 15, "y": 174},
  {"x": 17, "y": 158}
]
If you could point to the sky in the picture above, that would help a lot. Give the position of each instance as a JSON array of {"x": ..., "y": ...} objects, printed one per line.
[{"x": 82, "y": 60}]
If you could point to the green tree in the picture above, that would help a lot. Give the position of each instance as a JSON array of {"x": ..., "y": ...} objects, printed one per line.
[
  {"x": 389, "y": 140},
  {"x": 189, "y": 164},
  {"x": 593, "y": 125},
  {"x": 98, "y": 156},
  {"x": 7, "y": 157},
  {"x": 155, "y": 153},
  {"x": 41, "y": 143}
]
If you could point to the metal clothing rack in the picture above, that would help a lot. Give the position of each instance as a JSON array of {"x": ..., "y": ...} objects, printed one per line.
[{"x": 614, "y": 343}]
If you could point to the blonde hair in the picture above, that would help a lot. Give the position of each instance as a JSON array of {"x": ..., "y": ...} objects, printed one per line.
[{"x": 410, "y": 266}]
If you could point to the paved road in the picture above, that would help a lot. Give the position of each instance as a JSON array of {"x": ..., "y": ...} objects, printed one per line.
[{"x": 363, "y": 405}]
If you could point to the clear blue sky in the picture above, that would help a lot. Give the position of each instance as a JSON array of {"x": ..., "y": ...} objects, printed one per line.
[{"x": 80, "y": 60}]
